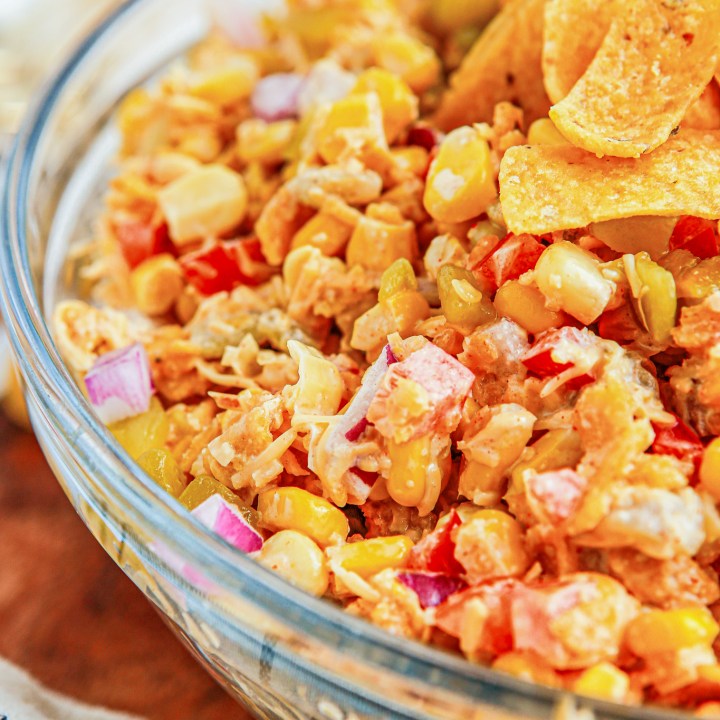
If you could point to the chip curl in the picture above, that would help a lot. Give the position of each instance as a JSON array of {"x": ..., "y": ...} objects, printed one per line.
[
  {"x": 655, "y": 61},
  {"x": 505, "y": 64},
  {"x": 545, "y": 187}
]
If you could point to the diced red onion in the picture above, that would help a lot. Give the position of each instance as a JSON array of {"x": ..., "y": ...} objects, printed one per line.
[
  {"x": 356, "y": 430},
  {"x": 390, "y": 355},
  {"x": 225, "y": 520},
  {"x": 239, "y": 21},
  {"x": 275, "y": 97},
  {"x": 431, "y": 588},
  {"x": 119, "y": 384}
]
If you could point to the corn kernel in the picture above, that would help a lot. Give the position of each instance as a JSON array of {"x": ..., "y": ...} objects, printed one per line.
[
  {"x": 372, "y": 328},
  {"x": 325, "y": 232},
  {"x": 460, "y": 184},
  {"x": 142, "y": 432},
  {"x": 416, "y": 63},
  {"x": 525, "y": 305},
  {"x": 660, "y": 631},
  {"x": 161, "y": 466},
  {"x": 203, "y": 203},
  {"x": 156, "y": 284},
  {"x": 354, "y": 118},
  {"x": 570, "y": 278},
  {"x": 298, "y": 559},
  {"x": 376, "y": 244},
  {"x": 544, "y": 132},
  {"x": 205, "y": 486},
  {"x": 408, "y": 467},
  {"x": 413, "y": 159},
  {"x": 708, "y": 710},
  {"x": 407, "y": 309},
  {"x": 527, "y": 667},
  {"x": 605, "y": 681},
  {"x": 368, "y": 557},
  {"x": 399, "y": 105},
  {"x": 320, "y": 387},
  {"x": 290, "y": 508},
  {"x": 267, "y": 143},
  {"x": 399, "y": 277},
  {"x": 463, "y": 303},
  {"x": 228, "y": 85},
  {"x": 710, "y": 469},
  {"x": 490, "y": 544}
]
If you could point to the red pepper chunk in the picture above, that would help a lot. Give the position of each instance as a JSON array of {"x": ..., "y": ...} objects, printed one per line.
[
  {"x": 540, "y": 359},
  {"x": 508, "y": 260},
  {"x": 436, "y": 551},
  {"x": 140, "y": 240},
  {"x": 697, "y": 235},
  {"x": 213, "y": 268},
  {"x": 679, "y": 440}
]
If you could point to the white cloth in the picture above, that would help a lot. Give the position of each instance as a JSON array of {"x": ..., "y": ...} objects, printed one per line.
[{"x": 22, "y": 698}]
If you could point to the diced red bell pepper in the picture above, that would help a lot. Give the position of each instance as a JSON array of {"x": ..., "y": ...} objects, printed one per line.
[
  {"x": 540, "y": 362},
  {"x": 140, "y": 240},
  {"x": 620, "y": 325},
  {"x": 679, "y": 440},
  {"x": 424, "y": 136},
  {"x": 695, "y": 234},
  {"x": 213, "y": 268},
  {"x": 436, "y": 551},
  {"x": 508, "y": 260}
]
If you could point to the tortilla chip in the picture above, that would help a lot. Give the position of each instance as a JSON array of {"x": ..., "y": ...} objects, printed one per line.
[
  {"x": 504, "y": 64},
  {"x": 558, "y": 187},
  {"x": 567, "y": 52},
  {"x": 654, "y": 62},
  {"x": 704, "y": 113}
]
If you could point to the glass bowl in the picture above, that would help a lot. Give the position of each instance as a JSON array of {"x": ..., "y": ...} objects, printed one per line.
[{"x": 280, "y": 652}]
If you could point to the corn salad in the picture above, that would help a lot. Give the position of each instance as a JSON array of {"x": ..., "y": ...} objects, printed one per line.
[{"x": 501, "y": 443}]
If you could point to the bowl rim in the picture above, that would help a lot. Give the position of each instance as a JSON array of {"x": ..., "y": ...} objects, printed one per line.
[{"x": 62, "y": 404}]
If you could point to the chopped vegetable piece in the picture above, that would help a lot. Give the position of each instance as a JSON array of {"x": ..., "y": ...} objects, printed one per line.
[
  {"x": 508, "y": 260},
  {"x": 161, "y": 466},
  {"x": 463, "y": 303},
  {"x": 679, "y": 440},
  {"x": 224, "y": 519},
  {"x": 432, "y": 589},
  {"x": 697, "y": 235},
  {"x": 140, "y": 241},
  {"x": 436, "y": 551},
  {"x": 276, "y": 97}
]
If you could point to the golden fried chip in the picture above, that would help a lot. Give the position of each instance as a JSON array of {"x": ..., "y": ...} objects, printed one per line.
[
  {"x": 704, "y": 113},
  {"x": 654, "y": 62},
  {"x": 504, "y": 64},
  {"x": 557, "y": 187},
  {"x": 567, "y": 51}
]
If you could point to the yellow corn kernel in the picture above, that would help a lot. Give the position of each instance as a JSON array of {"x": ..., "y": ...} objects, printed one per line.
[
  {"x": 142, "y": 432},
  {"x": 203, "y": 203},
  {"x": 319, "y": 388},
  {"x": 710, "y": 469},
  {"x": 490, "y": 544},
  {"x": 203, "y": 487},
  {"x": 407, "y": 309},
  {"x": 461, "y": 183},
  {"x": 544, "y": 132},
  {"x": 527, "y": 667},
  {"x": 356, "y": 117},
  {"x": 168, "y": 166},
  {"x": 260, "y": 141},
  {"x": 408, "y": 467},
  {"x": 556, "y": 449},
  {"x": 399, "y": 277},
  {"x": 368, "y": 557},
  {"x": 605, "y": 681},
  {"x": 231, "y": 84},
  {"x": 399, "y": 104},
  {"x": 406, "y": 56},
  {"x": 156, "y": 284},
  {"x": 325, "y": 232},
  {"x": 298, "y": 559},
  {"x": 571, "y": 280},
  {"x": 376, "y": 244},
  {"x": 659, "y": 631},
  {"x": 525, "y": 304},
  {"x": 372, "y": 328},
  {"x": 413, "y": 159},
  {"x": 708, "y": 710},
  {"x": 161, "y": 466},
  {"x": 290, "y": 508}
]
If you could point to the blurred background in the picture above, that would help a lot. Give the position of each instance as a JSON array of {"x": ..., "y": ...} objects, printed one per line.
[{"x": 68, "y": 615}]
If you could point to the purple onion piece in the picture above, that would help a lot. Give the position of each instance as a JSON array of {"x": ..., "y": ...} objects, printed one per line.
[
  {"x": 390, "y": 355},
  {"x": 356, "y": 430},
  {"x": 119, "y": 384},
  {"x": 431, "y": 588},
  {"x": 275, "y": 97},
  {"x": 225, "y": 520}
]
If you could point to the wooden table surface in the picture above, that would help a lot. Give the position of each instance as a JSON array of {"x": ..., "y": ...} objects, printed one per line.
[{"x": 69, "y": 615}]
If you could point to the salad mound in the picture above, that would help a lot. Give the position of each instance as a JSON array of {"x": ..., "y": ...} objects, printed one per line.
[{"x": 418, "y": 303}]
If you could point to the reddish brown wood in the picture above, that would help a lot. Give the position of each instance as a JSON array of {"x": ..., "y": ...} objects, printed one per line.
[{"x": 69, "y": 615}]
